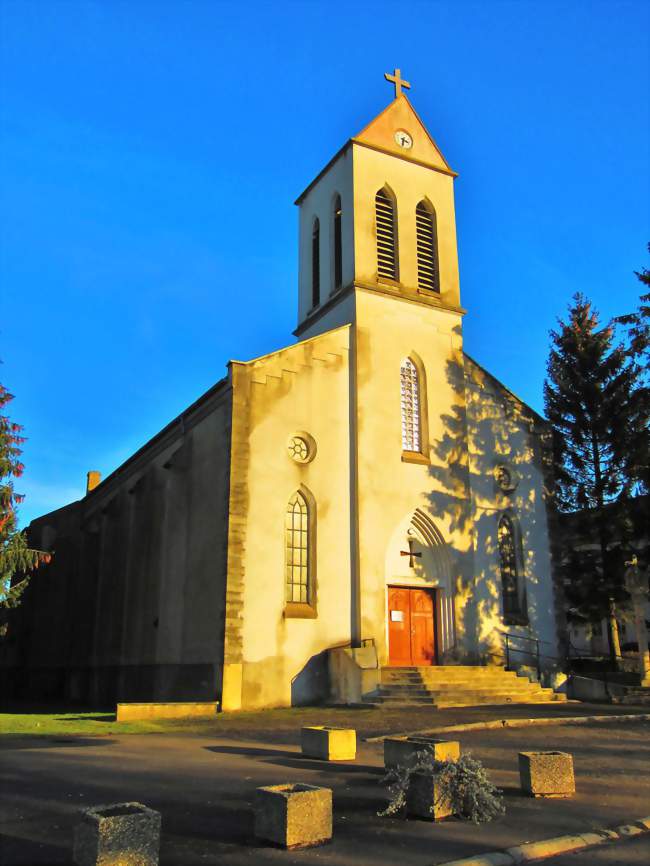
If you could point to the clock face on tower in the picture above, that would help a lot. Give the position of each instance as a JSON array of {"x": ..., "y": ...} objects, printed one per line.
[{"x": 403, "y": 139}]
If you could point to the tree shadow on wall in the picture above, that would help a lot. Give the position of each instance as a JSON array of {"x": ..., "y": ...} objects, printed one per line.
[{"x": 492, "y": 461}]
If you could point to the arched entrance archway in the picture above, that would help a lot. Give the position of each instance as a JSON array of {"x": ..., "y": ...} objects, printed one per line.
[{"x": 419, "y": 598}]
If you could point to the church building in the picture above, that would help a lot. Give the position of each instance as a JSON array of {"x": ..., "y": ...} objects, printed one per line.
[{"x": 367, "y": 500}]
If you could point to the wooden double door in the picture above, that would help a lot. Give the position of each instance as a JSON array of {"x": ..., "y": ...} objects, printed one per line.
[{"x": 411, "y": 626}]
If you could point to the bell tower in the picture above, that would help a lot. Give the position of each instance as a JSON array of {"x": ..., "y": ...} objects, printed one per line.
[
  {"x": 379, "y": 217},
  {"x": 378, "y": 252}
]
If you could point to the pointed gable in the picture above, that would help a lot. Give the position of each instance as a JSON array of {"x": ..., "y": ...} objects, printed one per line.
[{"x": 397, "y": 117}]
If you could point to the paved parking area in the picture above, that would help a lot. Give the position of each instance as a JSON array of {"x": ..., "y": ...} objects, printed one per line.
[
  {"x": 630, "y": 852},
  {"x": 204, "y": 787}
]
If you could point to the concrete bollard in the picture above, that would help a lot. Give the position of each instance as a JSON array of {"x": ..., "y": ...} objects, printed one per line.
[
  {"x": 329, "y": 744},
  {"x": 547, "y": 774},
  {"x": 402, "y": 751},
  {"x": 127, "y": 834},
  {"x": 423, "y": 798},
  {"x": 293, "y": 816}
]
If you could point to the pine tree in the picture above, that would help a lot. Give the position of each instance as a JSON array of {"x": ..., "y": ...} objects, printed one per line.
[
  {"x": 593, "y": 400},
  {"x": 17, "y": 559},
  {"x": 637, "y": 327}
]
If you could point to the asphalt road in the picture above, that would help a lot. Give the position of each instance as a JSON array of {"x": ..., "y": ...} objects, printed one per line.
[
  {"x": 204, "y": 788},
  {"x": 628, "y": 852}
]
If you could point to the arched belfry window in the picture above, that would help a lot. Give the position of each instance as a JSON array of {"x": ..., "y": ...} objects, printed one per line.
[
  {"x": 338, "y": 243},
  {"x": 427, "y": 247},
  {"x": 315, "y": 264},
  {"x": 512, "y": 591},
  {"x": 411, "y": 415},
  {"x": 386, "y": 219},
  {"x": 299, "y": 555}
]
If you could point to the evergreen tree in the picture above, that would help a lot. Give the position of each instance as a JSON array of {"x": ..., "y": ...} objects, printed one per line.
[
  {"x": 593, "y": 399},
  {"x": 17, "y": 559},
  {"x": 637, "y": 326}
]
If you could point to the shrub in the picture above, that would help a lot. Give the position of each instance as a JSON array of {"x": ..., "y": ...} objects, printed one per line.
[{"x": 464, "y": 784}]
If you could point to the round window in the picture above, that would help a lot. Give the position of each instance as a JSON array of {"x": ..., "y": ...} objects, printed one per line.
[
  {"x": 505, "y": 478},
  {"x": 301, "y": 448}
]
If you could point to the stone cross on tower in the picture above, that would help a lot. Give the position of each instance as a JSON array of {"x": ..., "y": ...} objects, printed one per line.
[{"x": 398, "y": 81}]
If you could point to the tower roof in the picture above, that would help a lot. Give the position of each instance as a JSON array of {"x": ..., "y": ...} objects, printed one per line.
[{"x": 380, "y": 134}]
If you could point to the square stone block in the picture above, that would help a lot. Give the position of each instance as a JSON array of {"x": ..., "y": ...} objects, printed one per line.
[
  {"x": 329, "y": 744},
  {"x": 402, "y": 751},
  {"x": 547, "y": 774},
  {"x": 127, "y": 834},
  {"x": 293, "y": 816},
  {"x": 423, "y": 798}
]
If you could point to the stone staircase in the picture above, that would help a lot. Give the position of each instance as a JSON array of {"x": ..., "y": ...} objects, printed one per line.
[
  {"x": 458, "y": 686},
  {"x": 635, "y": 695}
]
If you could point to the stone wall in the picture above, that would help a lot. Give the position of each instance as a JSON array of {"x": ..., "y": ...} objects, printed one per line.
[{"x": 132, "y": 605}]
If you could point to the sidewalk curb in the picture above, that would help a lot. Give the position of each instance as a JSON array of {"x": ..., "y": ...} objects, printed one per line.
[
  {"x": 499, "y": 724},
  {"x": 532, "y": 851}
]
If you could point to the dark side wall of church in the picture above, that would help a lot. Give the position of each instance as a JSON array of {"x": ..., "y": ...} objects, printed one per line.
[{"x": 131, "y": 608}]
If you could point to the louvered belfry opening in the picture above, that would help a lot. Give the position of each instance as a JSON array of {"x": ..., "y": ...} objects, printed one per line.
[
  {"x": 386, "y": 235},
  {"x": 427, "y": 246},
  {"x": 315, "y": 264}
]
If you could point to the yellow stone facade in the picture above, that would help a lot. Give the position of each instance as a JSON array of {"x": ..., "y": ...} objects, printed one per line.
[
  {"x": 247, "y": 553},
  {"x": 369, "y": 495}
]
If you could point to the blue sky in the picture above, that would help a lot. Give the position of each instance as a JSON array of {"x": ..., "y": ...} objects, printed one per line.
[{"x": 150, "y": 154}]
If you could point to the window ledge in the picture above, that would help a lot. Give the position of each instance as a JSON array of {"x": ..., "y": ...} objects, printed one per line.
[
  {"x": 429, "y": 293},
  {"x": 299, "y": 610},
  {"x": 414, "y": 457},
  {"x": 388, "y": 281}
]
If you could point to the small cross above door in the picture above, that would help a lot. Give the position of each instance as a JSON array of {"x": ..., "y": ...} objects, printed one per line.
[{"x": 411, "y": 553}]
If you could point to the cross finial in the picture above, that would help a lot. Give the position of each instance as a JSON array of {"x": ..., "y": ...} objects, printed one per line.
[{"x": 398, "y": 81}]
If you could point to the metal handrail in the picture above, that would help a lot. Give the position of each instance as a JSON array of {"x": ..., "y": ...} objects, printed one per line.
[
  {"x": 538, "y": 656},
  {"x": 524, "y": 637}
]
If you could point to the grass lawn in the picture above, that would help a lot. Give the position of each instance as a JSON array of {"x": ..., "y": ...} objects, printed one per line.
[{"x": 282, "y": 725}]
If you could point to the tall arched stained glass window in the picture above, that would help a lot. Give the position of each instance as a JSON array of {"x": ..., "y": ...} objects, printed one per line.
[
  {"x": 410, "y": 392},
  {"x": 297, "y": 550},
  {"x": 510, "y": 588}
]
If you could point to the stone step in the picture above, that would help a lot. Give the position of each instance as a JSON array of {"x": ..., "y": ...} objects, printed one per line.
[
  {"x": 492, "y": 702},
  {"x": 466, "y": 697},
  {"x": 497, "y": 701},
  {"x": 448, "y": 682},
  {"x": 483, "y": 675},
  {"x": 469, "y": 688},
  {"x": 479, "y": 692},
  {"x": 389, "y": 699},
  {"x": 448, "y": 669},
  {"x": 482, "y": 681},
  {"x": 633, "y": 695},
  {"x": 515, "y": 687},
  {"x": 459, "y": 685},
  {"x": 446, "y": 678},
  {"x": 407, "y": 693}
]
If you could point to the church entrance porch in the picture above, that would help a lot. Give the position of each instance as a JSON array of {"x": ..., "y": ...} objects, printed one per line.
[{"x": 411, "y": 627}]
